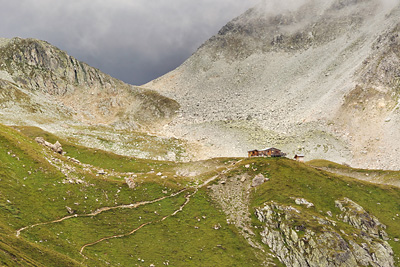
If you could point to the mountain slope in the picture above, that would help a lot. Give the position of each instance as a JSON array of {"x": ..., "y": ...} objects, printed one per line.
[
  {"x": 298, "y": 80},
  {"x": 94, "y": 208},
  {"x": 43, "y": 86},
  {"x": 40, "y": 81}
]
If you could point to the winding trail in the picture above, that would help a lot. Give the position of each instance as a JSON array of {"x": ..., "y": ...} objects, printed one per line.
[
  {"x": 188, "y": 197},
  {"x": 141, "y": 226},
  {"x": 100, "y": 210},
  {"x": 135, "y": 205}
]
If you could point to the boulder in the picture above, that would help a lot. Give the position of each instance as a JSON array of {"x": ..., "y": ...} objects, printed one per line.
[
  {"x": 258, "y": 180},
  {"x": 302, "y": 201},
  {"x": 130, "y": 182},
  {"x": 55, "y": 147}
]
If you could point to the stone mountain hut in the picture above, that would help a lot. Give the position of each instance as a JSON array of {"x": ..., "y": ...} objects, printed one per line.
[{"x": 268, "y": 152}]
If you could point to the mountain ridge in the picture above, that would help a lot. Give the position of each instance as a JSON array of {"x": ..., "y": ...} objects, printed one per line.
[
  {"x": 92, "y": 96},
  {"x": 289, "y": 80},
  {"x": 41, "y": 85}
]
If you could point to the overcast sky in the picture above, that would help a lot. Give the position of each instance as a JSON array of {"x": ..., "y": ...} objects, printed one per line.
[{"x": 133, "y": 40}]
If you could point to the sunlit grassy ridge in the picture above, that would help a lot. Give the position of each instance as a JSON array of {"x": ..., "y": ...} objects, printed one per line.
[
  {"x": 290, "y": 180},
  {"x": 374, "y": 176},
  {"x": 175, "y": 220},
  {"x": 42, "y": 197}
]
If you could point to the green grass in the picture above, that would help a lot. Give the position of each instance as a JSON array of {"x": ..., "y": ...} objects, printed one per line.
[
  {"x": 187, "y": 239},
  {"x": 96, "y": 157},
  {"x": 112, "y": 161},
  {"x": 42, "y": 197},
  {"x": 32, "y": 191},
  {"x": 290, "y": 179},
  {"x": 376, "y": 176}
]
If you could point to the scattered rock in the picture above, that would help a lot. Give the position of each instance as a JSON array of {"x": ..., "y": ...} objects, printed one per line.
[
  {"x": 258, "y": 180},
  {"x": 130, "y": 182},
  {"x": 70, "y": 211},
  {"x": 74, "y": 160},
  {"x": 55, "y": 147},
  {"x": 217, "y": 227},
  {"x": 302, "y": 201},
  {"x": 101, "y": 172}
]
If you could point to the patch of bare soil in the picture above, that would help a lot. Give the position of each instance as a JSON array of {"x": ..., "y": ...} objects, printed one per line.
[{"x": 233, "y": 195}]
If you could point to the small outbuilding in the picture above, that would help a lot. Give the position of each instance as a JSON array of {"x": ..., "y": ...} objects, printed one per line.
[{"x": 299, "y": 157}]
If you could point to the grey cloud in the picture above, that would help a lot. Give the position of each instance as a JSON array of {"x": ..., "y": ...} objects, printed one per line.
[{"x": 135, "y": 41}]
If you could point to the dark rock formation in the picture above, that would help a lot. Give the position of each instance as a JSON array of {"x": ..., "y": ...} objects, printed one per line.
[{"x": 299, "y": 238}]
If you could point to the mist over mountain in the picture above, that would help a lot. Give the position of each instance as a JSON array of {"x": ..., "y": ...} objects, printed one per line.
[
  {"x": 132, "y": 41},
  {"x": 320, "y": 79},
  {"x": 97, "y": 172}
]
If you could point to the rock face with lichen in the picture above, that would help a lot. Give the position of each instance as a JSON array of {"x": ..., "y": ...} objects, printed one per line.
[{"x": 301, "y": 238}]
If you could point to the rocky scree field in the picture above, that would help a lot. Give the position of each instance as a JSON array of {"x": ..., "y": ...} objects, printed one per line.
[{"x": 321, "y": 80}]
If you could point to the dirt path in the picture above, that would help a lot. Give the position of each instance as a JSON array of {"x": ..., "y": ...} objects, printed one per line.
[
  {"x": 100, "y": 210},
  {"x": 135, "y": 205},
  {"x": 375, "y": 177},
  {"x": 227, "y": 169},
  {"x": 188, "y": 197}
]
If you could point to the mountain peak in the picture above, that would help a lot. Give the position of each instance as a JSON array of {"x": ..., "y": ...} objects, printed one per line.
[
  {"x": 41, "y": 71},
  {"x": 287, "y": 79}
]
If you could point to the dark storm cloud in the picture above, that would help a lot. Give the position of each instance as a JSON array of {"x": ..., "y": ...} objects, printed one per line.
[{"x": 134, "y": 40}]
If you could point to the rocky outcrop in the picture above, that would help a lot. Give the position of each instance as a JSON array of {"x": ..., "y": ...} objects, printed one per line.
[
  {"x": 92, "y": 96},
  {"x": 356, "y": 216},
  {"x": 130, "y": 182},
  {"x": 56, "y": 147},
  {"x": 258, "y": 180},
  {"x": 301, "y": 238}
]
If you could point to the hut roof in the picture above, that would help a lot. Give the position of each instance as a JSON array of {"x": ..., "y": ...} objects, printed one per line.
[{"x": 271, "y": 148}]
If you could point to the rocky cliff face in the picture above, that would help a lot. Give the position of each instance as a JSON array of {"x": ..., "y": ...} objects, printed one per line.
[
  {"x": 321, "y": 80},
  {"x": 299, "y": 238},
  {"x": 50, "y": 79}
]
